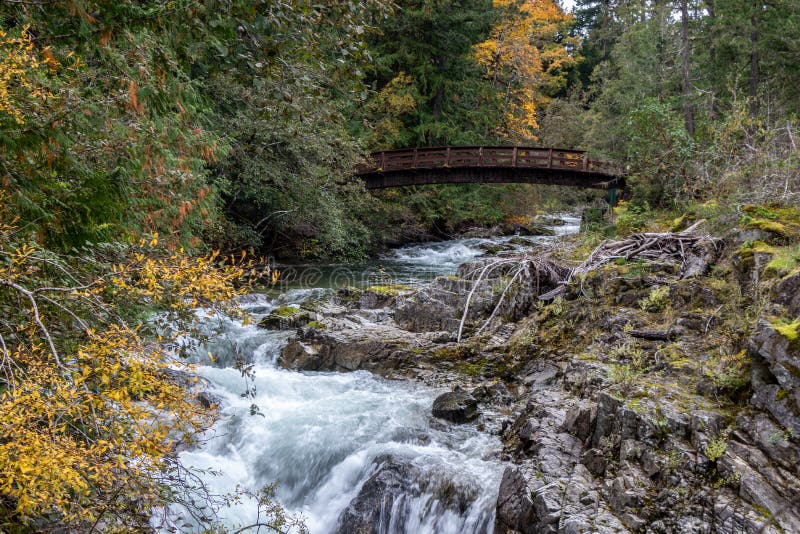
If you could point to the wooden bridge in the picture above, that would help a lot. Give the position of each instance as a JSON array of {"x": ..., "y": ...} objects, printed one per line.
[{"x": 489, "y": 165}]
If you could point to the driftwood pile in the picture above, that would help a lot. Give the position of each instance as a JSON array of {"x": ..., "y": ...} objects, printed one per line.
[
  {"x": 538, "y": 273},
  {"x": 693, "y": 251}
]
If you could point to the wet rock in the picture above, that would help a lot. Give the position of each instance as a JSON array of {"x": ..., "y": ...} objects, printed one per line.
[
  {"x": 455, "y": 406},
  {"x": 349, "y": 346},
  {"x": 522, "y": 242},
  {"x": 374, "y": 503},
  {"x": 538, "y": 229},
  {"x": 285, "y": 317},
  {"x": 208, "y": 400},
  {"x": 494, "y": 248},
  {"x": 494, "y": 231},
  {"x": 433, "y": 308},
  {"x": 549, "y": 220},
  {"x": 391, "y": 496}
]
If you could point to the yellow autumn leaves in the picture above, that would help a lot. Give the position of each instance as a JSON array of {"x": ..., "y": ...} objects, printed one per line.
[
  {"x": 90, "y": 423},
  {"x": 527, "y": 57},
  {"x": 19, "y": 67}
]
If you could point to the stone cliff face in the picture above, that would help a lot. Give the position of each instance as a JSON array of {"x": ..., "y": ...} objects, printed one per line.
[{"x": 640, "y": 400}]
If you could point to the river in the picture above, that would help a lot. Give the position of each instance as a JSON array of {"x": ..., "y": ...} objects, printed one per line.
[{"x": 321, "y": 436}]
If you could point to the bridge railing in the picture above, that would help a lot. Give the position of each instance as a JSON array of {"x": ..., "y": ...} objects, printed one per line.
[{"x": 485, "y": 156}]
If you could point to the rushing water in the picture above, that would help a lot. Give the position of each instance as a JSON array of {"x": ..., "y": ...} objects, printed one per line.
[{"x": 321, "y": 436}]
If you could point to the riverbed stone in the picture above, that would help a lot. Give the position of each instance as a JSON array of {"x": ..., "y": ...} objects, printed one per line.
[
  {"x": 455, "y": 406},
  {"x": 374, "y": 502}
]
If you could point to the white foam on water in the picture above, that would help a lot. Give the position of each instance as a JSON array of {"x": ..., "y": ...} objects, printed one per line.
[{"x": 321, "y": 436}]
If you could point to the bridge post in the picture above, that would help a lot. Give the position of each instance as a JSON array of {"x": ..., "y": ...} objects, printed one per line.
[
  {"x": 447, "y": 158},
  {"x": 612, "y": 197},
  {"x": 585, "y": 166},
  {"x": 480, "y": 156},
  {"x": 383, "y": 160},
  {"x": 550, "y": 158},
  {"x": 514, "y": 157},
  {"x": 415, "y": 157}
]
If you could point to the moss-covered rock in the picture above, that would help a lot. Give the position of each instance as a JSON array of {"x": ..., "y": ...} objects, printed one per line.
[{"x": 284, "y": 317}]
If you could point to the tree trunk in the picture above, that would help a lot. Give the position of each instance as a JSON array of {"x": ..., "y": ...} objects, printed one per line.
[
  {"x": 712, "y": 54},
  {"x": 755, "y": 67},
  {"x": 438, "y": 98},
  {"x": 688, "y": 112}
]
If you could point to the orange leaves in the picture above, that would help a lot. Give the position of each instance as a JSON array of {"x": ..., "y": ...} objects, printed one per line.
[
  {"x": 133, "y": 97},
  {"x": 105, "y": 37},
  {"x": 525, "y": 54}
]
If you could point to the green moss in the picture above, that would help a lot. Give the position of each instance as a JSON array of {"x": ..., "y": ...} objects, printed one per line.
[
  {"x": 729, "y": 373},
  {"x": 749, "y": 248},
  {"x": 679, "y": 223},
  {"x": 783, "y": 221},
  {"x": 715, "y": 449},
  {"x": 784, "y": 260},
  {"x": 391, "y": 290},
  {"x": 284, "y": 311},
  {"x": 470, "y": 369},
  {"x": 769, "y": 226},
  {"x": 789, "y": 330},
  {"x": 656, "y": 301},
  {"x": 761, "y": 510},
  {"x": 774, "y": 212},
  {"x": 316, "y": 324}
]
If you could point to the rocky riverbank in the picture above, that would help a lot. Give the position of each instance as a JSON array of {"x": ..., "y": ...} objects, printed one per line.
[{"x": 655, "y": 393}]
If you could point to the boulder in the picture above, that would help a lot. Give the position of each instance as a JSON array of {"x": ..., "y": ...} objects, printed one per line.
[
  {"x": 787, "y": 292},
  {"x": 394, "y": 492},
  {"x": 374, "y": 503},
  {"x": 580, "y": 419},
  {"x": 285, "y": 317},
  {"x": 350, "y": 346},
  {"x": 776, "y": 375},
  {"x": 514, "y": 504},
  {"x": 539, "y": 229},
  {"x": 456, "y": 406}
]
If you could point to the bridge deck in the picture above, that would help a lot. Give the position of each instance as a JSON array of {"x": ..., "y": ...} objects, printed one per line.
[{"x": 488, "y": 164}]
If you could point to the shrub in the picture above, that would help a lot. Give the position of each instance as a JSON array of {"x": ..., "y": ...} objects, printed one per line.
[
  {"x": 715, "y": 448},
  {"x": 656, "y": 301}
]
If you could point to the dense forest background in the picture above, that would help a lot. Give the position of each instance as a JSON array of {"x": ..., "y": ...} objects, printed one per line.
[
  {"x": 229, "y": 124},
  {"x": 140, "y": 135}
]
